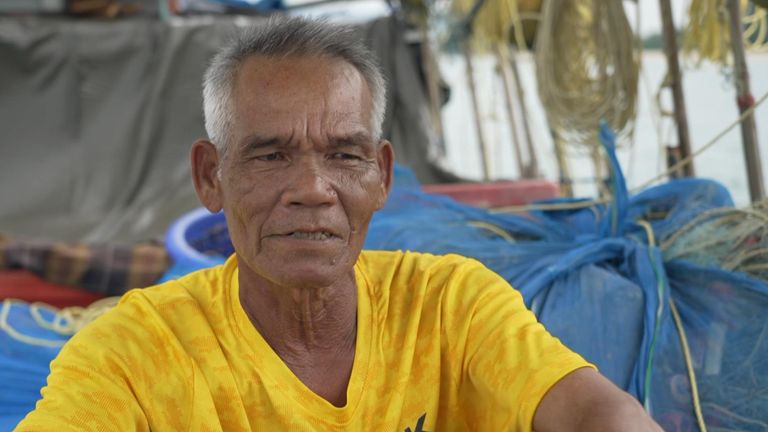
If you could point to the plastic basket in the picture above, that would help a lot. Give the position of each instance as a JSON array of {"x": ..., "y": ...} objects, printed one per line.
[{"x": 198, "y": 239}]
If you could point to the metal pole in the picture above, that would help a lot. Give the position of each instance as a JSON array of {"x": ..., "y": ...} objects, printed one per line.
[
  {"x": 745, "y": 101},
  {"x": 676, "y": 83}
]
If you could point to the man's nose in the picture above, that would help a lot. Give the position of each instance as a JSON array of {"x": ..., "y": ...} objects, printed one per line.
[{"x": 309, "y": 185}]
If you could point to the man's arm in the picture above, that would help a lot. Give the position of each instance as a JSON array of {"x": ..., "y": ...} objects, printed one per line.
[{"x": 584, "y": 400}]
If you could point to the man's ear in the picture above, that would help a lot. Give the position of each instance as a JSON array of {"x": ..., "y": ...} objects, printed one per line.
[
  {"x": 205, "y": 174},
  {"x": 385, "y": 157}
]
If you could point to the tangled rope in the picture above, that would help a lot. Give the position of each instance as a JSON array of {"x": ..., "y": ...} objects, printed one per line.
[
  {"x": 67, "y": 321},
  {"x": 587, "y": 64},
  {"x": 708, "y": 37},
  {"x": 729, "y": 238},
  {"x": 756, "y": 31},
  {"x": 496, "y": 19}
]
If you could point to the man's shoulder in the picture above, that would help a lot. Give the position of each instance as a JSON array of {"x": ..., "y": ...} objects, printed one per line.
[
  {"x": 202, "y": 286},
  {"x": 416, "y": 261},
  {"x": 411, "y": 272},
  {"x": 158, "y": 313}
]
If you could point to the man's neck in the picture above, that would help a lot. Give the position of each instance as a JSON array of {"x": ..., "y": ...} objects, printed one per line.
[{"x": 313, "y": 330}]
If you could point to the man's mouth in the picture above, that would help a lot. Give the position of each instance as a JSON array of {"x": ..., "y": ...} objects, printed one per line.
[{"x": 311, "y": 235}]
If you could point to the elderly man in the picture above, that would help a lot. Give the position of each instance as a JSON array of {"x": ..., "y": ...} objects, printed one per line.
[{"x": 299, "y": 330}]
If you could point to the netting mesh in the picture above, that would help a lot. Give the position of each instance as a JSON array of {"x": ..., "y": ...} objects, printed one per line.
[{"x": 723, "y": 314}]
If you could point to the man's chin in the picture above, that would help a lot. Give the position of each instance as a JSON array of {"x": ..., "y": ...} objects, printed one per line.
[
  {"x": 310, "y": 277},
  {"x": 307, "y": 270},
  {"x": 301, "y": 267}
]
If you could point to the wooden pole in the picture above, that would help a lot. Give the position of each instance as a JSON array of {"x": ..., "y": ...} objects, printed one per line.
[
  {"x": 745, "y": 101},
  {"x": 466, "y": 40},
  {"x": 470, "y": 71},
  {"x": 432, "y": 76},
  {"x": 533, "y": 163},
  {"x": 676, "y": 83},
  {"x": 504, "y": 74},
  {"x": 566, "y": 182}
]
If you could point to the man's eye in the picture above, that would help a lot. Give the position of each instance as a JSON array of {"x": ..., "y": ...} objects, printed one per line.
[
  {"x": 345, "y": 156},
  {"x": 271, "y": 157}
]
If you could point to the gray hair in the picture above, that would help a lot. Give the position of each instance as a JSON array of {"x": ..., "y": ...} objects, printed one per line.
[{"x": 281, "y": 37}]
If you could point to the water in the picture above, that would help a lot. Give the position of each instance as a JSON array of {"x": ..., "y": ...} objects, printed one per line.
[{"x": 710, "y": 101}]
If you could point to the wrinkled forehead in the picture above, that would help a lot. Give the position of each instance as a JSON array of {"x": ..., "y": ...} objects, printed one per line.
[
  {"x": 300, "y": 97},
  {"x": 305, "y": 88}
]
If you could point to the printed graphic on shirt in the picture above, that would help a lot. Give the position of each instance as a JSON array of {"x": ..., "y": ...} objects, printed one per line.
[{"x": 419, "y": 425}]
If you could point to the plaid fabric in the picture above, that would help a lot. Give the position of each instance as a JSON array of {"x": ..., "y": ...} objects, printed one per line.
[{"x": 104, "y": 269}]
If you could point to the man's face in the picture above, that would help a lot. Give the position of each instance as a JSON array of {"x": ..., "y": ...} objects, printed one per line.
[{"x": 303, "y": 175}]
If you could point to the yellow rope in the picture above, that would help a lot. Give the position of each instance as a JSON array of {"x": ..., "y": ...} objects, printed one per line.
[
  {"x": 587, "y": 65},
  {"x": 648, "y": 231},
  {"x": 65, "y": 321},
  {"x": 683, "y": 340},
  {"x": 494, "y": 229},
  {"x": 735, "y": 239},
  {"x": 707, "y": 35},
  {"x": 756, "y": 31},
  {"x": 720, "y": 213},
  {"x": 14, "y": 334},
  {"x": 496, "y": 19},
  {"x": 688, "y": 366},
  {"x": 545, "y": 207},
  {"x": 69, "y": 321}
]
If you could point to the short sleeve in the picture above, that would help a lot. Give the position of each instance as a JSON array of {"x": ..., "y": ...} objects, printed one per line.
[
  {"x": 107, "y": 373},
  {"x": 511, "y": 361}
]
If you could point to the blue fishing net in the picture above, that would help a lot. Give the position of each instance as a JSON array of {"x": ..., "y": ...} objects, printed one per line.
[
  {"x": 723, "y": 314},
  {"x": 595, "y": 280}
]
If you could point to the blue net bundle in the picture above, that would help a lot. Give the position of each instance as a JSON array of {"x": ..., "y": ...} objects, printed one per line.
[
  {"x": 602, "y": 278},
  {"x": 26, "y": 349}
]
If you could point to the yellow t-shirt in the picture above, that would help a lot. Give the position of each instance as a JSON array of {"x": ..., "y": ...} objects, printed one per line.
[{"x": 442, "y": 344}]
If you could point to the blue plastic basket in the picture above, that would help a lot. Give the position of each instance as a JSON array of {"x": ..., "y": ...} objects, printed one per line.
[{"x": 198, "y": 239}]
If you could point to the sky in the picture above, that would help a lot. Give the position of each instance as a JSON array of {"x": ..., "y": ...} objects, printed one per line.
[{"x": 650, "y": 20}]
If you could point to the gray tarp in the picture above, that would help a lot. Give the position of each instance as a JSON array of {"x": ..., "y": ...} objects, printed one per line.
[{"x": 97, "y": 119}]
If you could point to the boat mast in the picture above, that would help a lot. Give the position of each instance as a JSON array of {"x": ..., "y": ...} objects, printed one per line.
[
  {"x": 745, "y": 101},
  {"x": 675, "y": 83},
  {"x": 466, "y": 42}
]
